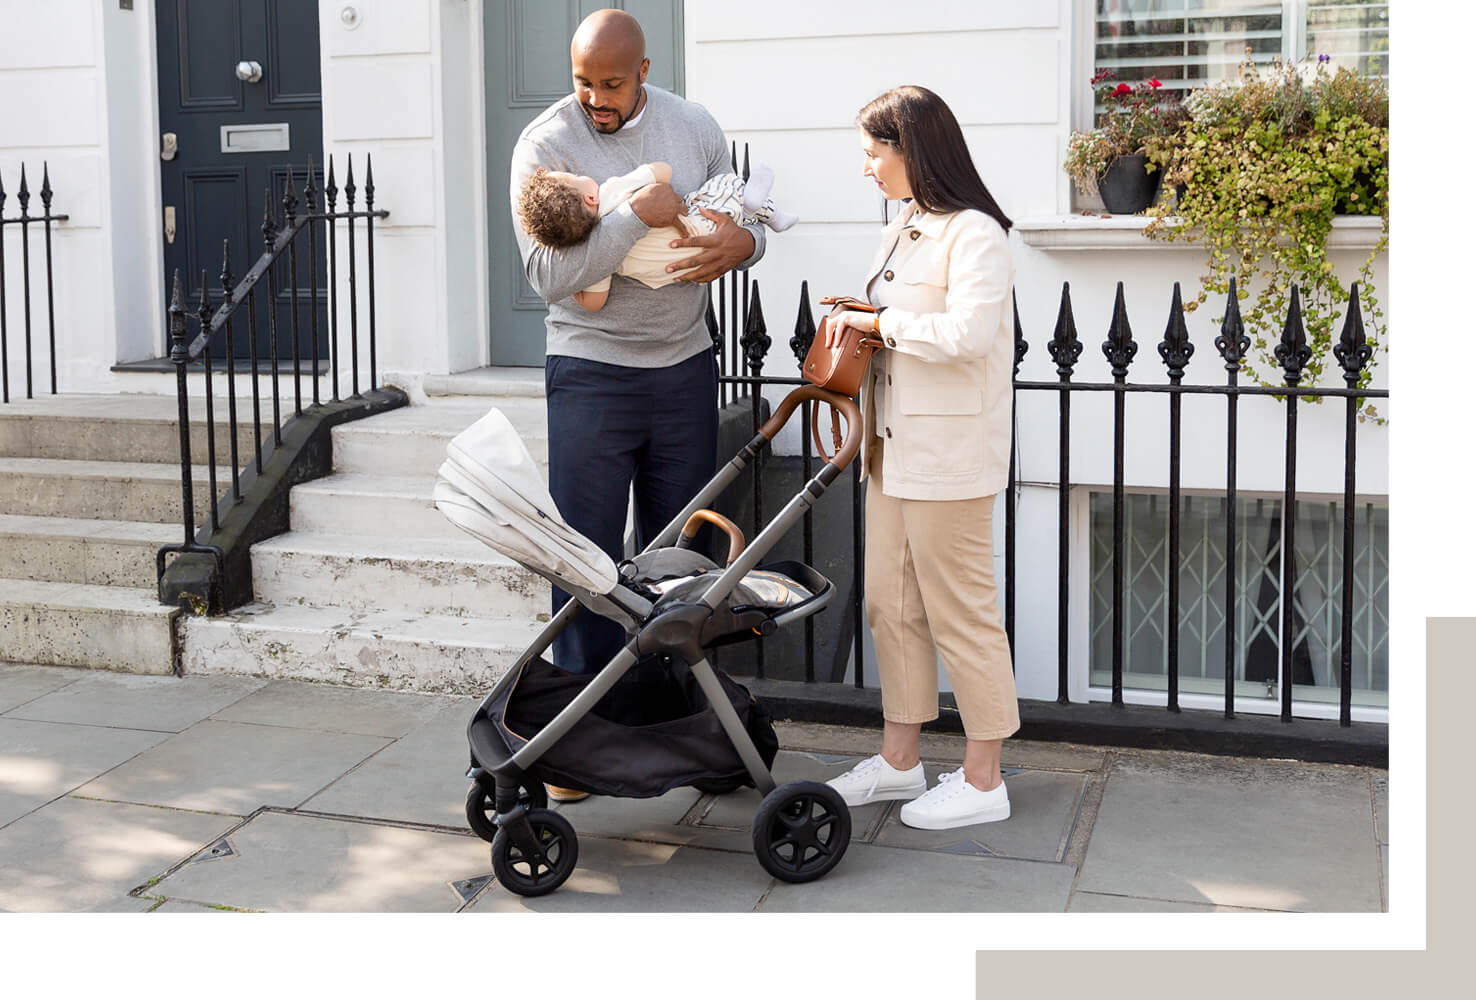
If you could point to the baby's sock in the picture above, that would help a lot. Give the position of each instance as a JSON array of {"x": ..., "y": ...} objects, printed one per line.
[
  {"x": 756, "y": 190},
  {"x": 779, "y": 220}
]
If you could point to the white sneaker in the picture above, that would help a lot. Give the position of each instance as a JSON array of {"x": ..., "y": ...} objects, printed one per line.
[
  {"x": 954, "y": 802},
  {"x": 874, "y": 780}
]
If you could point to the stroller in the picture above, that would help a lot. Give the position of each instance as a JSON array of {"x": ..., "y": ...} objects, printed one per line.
[{"x": 658, "y": 716}]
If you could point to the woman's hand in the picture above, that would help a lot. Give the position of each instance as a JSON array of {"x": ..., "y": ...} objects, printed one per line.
[{"x": 863, "y": 322}]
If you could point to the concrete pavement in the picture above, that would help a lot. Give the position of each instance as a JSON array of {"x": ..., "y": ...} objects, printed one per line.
[{"x": 208, "y": 794}]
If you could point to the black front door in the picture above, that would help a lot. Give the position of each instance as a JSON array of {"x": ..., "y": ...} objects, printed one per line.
[{"x": 239, "y": 104}]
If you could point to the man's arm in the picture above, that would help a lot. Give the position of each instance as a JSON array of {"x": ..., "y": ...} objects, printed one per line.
[{"x": 558, "y": 274}]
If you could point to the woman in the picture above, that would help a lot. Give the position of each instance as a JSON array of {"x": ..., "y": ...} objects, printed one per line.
[{"x": 935, "y": 452}]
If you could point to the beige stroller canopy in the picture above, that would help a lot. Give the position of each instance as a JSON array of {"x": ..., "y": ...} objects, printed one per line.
[{"x": 490, "y": 487}]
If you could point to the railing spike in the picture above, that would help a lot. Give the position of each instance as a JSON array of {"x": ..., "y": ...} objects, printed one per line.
[
  {"x": 745, "y": 161},
  {"x": 23, "y": 194},
  {"x": 289, "y": 198},
  {"x": 331, "y": 188},
  {"x": 1021, "y": 347},
  {"x": 348, "y": 185},
  {"x": 1175, "y": 348},
  {"x": 268, "y": 224},
  {"x": 179, "y": 352},
  {"x": 45, "y": 187},
  {"x": 804, "y": 326},
  {"x": 309, "y": 190},
  {"x": 755, "y": 340},
  {"x": 1293, "y": 353},
  {"x": 1119, "y": 347},
  {"x": 1352, "y": 349},
  {"x": 1233, "y": 341},
  {"x": 1065, "y": 347},
  {"x": 369, "y": 181}
]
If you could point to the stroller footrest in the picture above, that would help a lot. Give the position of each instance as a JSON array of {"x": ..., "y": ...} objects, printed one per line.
[{"x": 486, "y": 746}]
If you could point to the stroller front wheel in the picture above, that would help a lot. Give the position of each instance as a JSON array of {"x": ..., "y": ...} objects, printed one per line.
[
  {"x": 801, "y": 831},
  {"x": 481, "y": 814},
  {"x": 542, "y": 863}
]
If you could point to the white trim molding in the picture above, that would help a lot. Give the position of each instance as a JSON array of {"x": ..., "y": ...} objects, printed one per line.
[{"x": 1125, "y": 232}]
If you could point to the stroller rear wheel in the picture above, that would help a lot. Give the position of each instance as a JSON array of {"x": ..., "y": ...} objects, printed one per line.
[
  {"x": 801, "y": 831},
  {"x": 481, "y": 815},
  {"x": 545, "y": 864}
]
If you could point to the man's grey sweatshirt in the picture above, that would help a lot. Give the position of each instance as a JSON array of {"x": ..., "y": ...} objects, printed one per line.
[{"x": 639, "y": 327}]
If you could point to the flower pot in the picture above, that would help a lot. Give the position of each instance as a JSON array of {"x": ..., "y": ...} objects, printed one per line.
[{"x": 1127, "y": 186}]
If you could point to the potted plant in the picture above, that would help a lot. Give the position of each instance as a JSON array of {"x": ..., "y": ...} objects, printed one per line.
[
  {"x": 1121, "y": 158},
  {"x": 1266, "y": 161}
]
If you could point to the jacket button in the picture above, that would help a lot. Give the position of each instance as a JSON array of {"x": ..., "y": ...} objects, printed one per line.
[
  {"x": 889, "y": 275},
  {"x": 915, "y": 234},
  {"x": 889, "y": 380},
  {"x": 891, "y": 342},
  {"x": 889, "y": 432}
]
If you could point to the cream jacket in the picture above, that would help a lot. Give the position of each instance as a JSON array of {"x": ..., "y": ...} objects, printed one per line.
[{"x": 939, "y": 394}]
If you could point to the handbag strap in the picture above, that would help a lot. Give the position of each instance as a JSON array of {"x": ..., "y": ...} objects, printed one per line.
[{"x": 835, "y": 431}]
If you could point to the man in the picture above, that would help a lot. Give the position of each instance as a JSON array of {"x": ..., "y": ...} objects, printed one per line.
[{"x": 631, "y": 389}]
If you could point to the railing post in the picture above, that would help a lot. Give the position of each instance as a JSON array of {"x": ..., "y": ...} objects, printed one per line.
[
  {"x": 1353, "y": 353},
  {"x": 179, "y": 356},
  {"x": 799, "y": 346},
  {"x": 1293, "y": 355},
  {"x": 1119, "y": 349},
  {"x": 1065, "y": 348},
  {"x": 1020, "y": 349},
  {"x": 1175, "y": 350},
  {"x": 756, "y": 343},
  {"x": 1232, "y": 343}
]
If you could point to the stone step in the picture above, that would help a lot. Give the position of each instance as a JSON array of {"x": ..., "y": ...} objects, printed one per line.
[
  {"x": 82, "y": 550},
  {"x": 434, "y": 576},
  {"x": 357, "y": 503},
  {"x": 126, "y": 491},
  {"x": 412, "y": 440},
  {"x": 487, "y": 382},
  {"x": 396, "y": 651},
  {"x": 118, "y": 428},
  {"x": 79, "y": 625}
]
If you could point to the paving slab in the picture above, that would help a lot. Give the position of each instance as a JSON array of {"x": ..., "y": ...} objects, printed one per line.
[
  {"x": 330, "y": 708},
  {"x": 127, "y": 904},
  {"x": 234, "y": 768},
  {"x": 1381, "y": 807},
  {"x": 180, "y": 906},
  {"x": 40, "y": 761},
  {"x": 938, "y": 747},
  {"x": 288, "y": 863},
  {"x": 1043, "y": 812},
  {"x": 420, "y": 778},
  {"x": 656, "y": 819},
  {"x": 1097, "y": 902},
  {"x": 888, "y": 879},
  {"x": 76, "y": 854},
  {"x": 626, "y": 876},
  {"x": 132, "y": 701},
  {"x": 736, "y": 810},
  {"x": 21, "y": 683},
  {"x": 1259, "y": 834}
]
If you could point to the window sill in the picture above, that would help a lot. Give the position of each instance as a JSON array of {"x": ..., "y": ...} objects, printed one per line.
[{"x": 1125, "y": 232}]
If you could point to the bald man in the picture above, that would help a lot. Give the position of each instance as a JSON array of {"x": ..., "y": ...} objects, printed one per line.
[{"x": 632, "y": 389}]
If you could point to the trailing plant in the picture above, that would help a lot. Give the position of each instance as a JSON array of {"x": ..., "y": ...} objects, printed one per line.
[
  {"x": 1265, "y": 162},
  {"x": 1136, "y": 120}
]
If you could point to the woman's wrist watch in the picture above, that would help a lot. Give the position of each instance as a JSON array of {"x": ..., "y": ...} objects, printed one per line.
[{"x": 876, "y": 320}]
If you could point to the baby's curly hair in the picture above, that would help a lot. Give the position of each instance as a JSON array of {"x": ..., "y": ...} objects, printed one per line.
[{"x": 553, "y": 211}]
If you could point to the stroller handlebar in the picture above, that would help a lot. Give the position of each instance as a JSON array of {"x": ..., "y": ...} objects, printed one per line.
[{"x": 813, "y": 393}]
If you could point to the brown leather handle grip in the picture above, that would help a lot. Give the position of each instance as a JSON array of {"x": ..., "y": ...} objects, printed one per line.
[
  {"x": 734, "y": 533},
  {"x": 845, "y": 404}
]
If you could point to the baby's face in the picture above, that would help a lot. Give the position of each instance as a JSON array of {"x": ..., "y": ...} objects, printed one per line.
[{"x": 588, "y": 187}]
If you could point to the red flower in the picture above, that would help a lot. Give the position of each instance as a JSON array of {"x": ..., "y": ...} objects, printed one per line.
[
  {"x": 1122, "y": 88},
  {"x": 1154, "y": 84}
]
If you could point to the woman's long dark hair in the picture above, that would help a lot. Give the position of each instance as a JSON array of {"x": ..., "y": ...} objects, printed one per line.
[{"x": 942, "y": 175}]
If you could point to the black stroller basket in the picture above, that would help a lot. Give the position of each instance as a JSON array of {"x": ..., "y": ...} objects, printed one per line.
[{"x": 659, "y": 715}]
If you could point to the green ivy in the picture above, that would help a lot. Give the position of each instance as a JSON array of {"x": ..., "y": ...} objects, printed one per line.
[{"x": 1265, "y": 163}]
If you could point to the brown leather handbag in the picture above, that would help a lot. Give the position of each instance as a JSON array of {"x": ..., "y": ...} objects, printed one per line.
[{"x": 840, "y": 368}]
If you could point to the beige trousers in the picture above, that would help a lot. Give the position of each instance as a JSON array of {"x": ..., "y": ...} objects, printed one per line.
[{"x": 930, "y": 590}]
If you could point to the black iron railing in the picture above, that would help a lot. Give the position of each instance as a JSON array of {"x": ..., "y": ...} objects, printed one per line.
[
  {"x": 741, "y": 372},
  {"x": 311, "y": 222},
  {"x": 26, "y": 221}
]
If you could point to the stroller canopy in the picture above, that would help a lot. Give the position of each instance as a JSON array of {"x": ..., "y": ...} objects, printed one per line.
[{"x": 490, "y": 487}]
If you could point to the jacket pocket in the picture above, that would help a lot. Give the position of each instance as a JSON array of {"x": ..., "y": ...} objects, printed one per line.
[
  {"x": 928, "y": 266},
  {"x": 939, "y": 429}
]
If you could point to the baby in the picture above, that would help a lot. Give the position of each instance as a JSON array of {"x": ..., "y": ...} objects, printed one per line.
[{"x": 558, "y": 210}]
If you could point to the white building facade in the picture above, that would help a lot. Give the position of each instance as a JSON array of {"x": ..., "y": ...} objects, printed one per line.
[{"x": 436, "y": 90}]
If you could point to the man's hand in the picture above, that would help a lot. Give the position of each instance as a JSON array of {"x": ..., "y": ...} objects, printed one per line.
[
  {"x": 719, "y": 252},
  {"x": 657, "y": 205}
]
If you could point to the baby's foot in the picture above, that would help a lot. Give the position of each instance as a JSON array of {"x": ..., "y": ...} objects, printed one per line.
[
  {"x": 780, "y": 220},
  {"x": 756, "y": 189}
]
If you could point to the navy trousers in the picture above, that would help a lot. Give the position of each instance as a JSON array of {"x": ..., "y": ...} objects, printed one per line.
[{"x": 610, "y": 426}]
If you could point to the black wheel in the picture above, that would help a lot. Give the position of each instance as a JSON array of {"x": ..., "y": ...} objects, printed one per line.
[
  {"x": 719, "y": 786},
  {"x": 481, "y": 816},
  {"x": 801, "y": 831},
  {"x": 545, "y": 871}
]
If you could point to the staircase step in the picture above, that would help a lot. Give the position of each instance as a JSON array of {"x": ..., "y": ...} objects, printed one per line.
[
  {"x": 357, "y": 503},
  {"x": 79, "y": 625},
  {"x": 82, "y": 550},
  {"x": 129, "y": 491},
  {"x": 396, "y": 651},
  {"x": 488, "y": 382},
  {"x": 417, "y": 575},
  {"x": 412, "y": 440},
  {"x": 118, "y": 428}
]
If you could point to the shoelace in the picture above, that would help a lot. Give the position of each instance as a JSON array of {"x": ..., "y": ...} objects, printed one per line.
[{"x": 946, "y": 784}]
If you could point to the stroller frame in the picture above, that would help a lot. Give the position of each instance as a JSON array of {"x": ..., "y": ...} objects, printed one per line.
[{"x": 678, "y": 630}]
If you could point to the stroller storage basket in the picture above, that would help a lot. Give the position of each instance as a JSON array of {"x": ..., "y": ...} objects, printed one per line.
[{"x": 652, "y": 732}]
